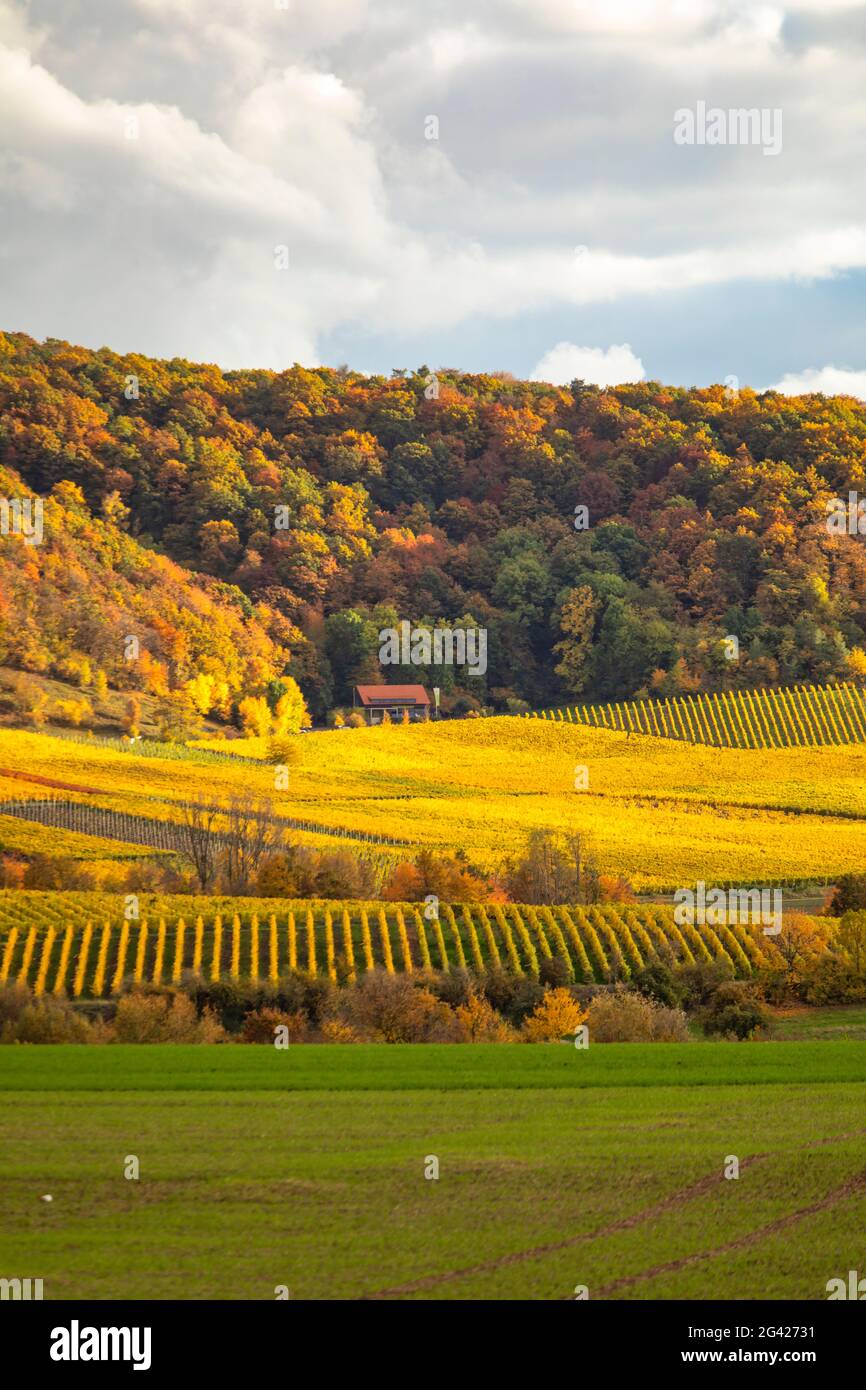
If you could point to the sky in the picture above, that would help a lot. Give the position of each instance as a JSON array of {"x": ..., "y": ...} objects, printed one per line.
[{"x": 553, "y": 188}]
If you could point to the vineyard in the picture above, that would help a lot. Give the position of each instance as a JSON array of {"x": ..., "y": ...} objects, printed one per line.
[
  {"x": 165, "y": 835},
  {"x": 61, "y": 946},
  {"x": 660, "y": 811},
  {"x": 797, "y": 716}
]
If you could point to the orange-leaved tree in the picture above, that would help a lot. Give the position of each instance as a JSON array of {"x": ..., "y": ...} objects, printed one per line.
[{"x": 556, "y": 1016}]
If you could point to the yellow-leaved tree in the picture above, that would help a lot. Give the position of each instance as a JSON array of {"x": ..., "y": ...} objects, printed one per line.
[
  {"x": 291, "y": 713},
  {"x": 556, "y": 1016},
  {"x": 857, "y": 662},
  {"x": 255, "y": 716},
  {"x": 478, "y": 1021},
  {"x": 200, "y": 692}
]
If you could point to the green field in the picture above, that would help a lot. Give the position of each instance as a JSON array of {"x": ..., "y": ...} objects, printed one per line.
[
  {"x": 558, "y": 1167},
  {"x": 841, "y": 1022}
]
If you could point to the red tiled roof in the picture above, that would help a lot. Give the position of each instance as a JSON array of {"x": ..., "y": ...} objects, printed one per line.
[{"x": 392, "y": 694}]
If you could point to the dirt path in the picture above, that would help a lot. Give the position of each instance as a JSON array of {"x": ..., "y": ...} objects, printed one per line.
[{"x": 47, "y": 781}]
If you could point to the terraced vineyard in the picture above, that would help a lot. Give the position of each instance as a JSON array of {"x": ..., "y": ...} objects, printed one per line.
[
  {"x": 795, "y": 716},
  {"x": 67, "y": 947}
]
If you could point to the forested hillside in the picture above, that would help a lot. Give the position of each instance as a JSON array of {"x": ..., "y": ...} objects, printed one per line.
[
  {"x": 335, "y": 504},
  {"x": 92, "y": 607}
]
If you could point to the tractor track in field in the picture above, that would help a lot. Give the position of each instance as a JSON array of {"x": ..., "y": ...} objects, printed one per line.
[
  {"x": 626, "y": 1223},
  {"x": 839, "y": 1194}
]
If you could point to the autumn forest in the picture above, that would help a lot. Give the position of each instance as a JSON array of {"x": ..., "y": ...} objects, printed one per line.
[{"x": 252, "y": 525}]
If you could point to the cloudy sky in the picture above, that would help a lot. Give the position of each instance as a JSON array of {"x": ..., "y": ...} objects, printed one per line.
[{"x": 483, "y": 184}]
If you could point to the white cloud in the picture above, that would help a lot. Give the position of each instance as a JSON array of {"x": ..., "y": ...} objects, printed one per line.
[
  {"x": 832, "y": 381},
  {"x": 600, "y": 366},
  {"x": 305, "y": 126}
]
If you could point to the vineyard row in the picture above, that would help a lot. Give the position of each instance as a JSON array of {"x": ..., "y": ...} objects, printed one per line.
[
  {"x": 795, "y": 716},
  {"x": 95, "y": 959},
  {"x": 132, "y": 829}
]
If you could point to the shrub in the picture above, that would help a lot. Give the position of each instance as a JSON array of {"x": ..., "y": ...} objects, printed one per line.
[
  {"x": 314, "y": 995},
  {"x": 334, "y": 1030},
  {"x": 260, "y": 1026},
  {"x": 627, "y": 1016},
  {"x": 75, "y": 667},
  {"x": 227, "y": 1000},
  {"x": 556, "y": 1016},
  {"x": 24, "y": 1019},
  {"x": 144, "y": 1017},
  {"x": 657, "y": 982},
  {"x": 283, "y": 749},
  {"x": 47, "y": 871},
  {"x": 13, "y": 1001},
  {"x": 452, "y": 986},
  {"x": 48, "y": 1021},
  {"x": 233, "y": 1000},
  {"x": 12, "y": 870},
  {"x": 478, "y": 1021},
  {"x": 850, "y": 895},
  {"x": 830, "y": 980},
  {"x": 276, "y": 876},
  {"x": 73, "y": 712},
  {"x": 776, "y": 986},
  {"x": 733, "y": 1012},
  {"x": 393, "y": 1009},
  {"x": 553, "y": 972},
  {"x": 29, "y": 700},
  {"x": 615, "y": 889},
  {"x": 697, "y": 983},
  {"x": 514, "y": 996}
]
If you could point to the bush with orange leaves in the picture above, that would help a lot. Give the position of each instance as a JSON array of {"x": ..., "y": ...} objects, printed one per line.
[
  {"x": 556, "y": 1016},
  {"x": 334, "y": 1030},
  {"x": 451, "y": 878},
  {"x": 478, "y": 1021},
  {"x": 615, "y": 889}
]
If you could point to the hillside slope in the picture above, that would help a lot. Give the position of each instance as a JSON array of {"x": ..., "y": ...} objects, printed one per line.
[
  {"x": 90, "y": 597},
  {"x": 659, "y": 812},
  {"x": 350, "y": 503}
]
